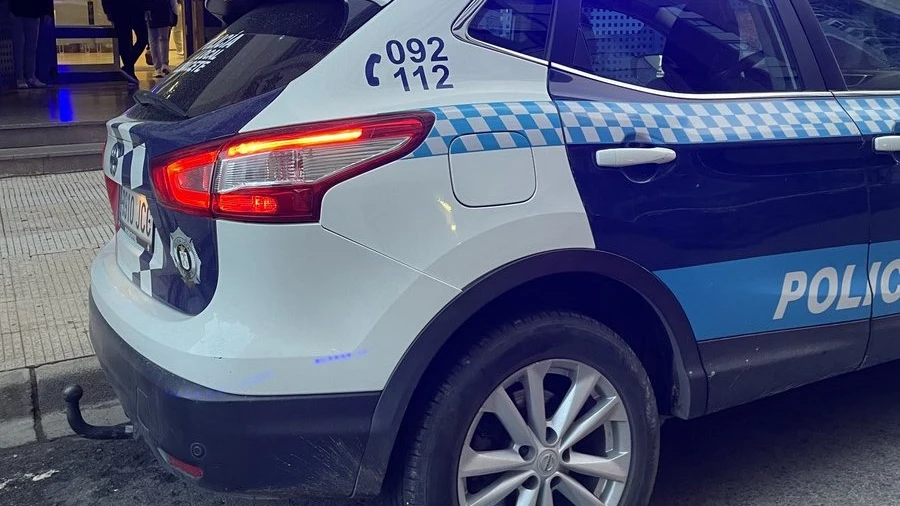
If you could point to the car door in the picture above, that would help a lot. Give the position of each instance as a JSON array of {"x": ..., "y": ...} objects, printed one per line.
[
  {"x": 864, "y": 38},
  {"x": 707, "y": 149}
]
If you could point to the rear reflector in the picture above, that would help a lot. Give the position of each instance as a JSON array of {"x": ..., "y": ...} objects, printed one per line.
[
  {"x": 112, "y": 192},
  {"x": 188, "y": 470},
  {"x": 282, "y": 175}
]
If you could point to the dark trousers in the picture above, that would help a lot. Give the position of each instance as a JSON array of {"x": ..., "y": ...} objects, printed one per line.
[{"x": 125, "y": 26}]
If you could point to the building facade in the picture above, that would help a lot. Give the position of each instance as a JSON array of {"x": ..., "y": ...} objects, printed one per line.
[{"x": 80, "y": 46}]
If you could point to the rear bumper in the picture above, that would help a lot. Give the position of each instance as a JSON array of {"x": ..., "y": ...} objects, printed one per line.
[{"x": 261, "y": 445}]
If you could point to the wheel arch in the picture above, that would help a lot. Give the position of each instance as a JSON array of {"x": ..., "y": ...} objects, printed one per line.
[{"x": 430, "y": 345}]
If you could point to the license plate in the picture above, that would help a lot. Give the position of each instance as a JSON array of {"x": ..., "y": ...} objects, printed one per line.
[{"x": 135, "y": 217}]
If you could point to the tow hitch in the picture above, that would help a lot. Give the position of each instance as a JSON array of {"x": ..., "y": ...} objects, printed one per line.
[{"x": 72, "y": 395}]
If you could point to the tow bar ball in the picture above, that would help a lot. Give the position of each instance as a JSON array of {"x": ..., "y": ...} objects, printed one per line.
[{"x": 72, "y": 394}]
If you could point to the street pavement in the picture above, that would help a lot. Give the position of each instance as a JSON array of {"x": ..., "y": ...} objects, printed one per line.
[{"x": 836, "y": 443}]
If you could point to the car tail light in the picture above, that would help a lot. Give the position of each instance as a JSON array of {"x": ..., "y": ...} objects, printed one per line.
[
  {"x": 182, "y": 182},
  {"x": 112, "y": 192},
  {"x": 282, "y": 175}
]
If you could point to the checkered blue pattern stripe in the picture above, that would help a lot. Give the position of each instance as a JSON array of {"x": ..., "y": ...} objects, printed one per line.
[
  {"x": 488, "y": 142},
  {"x": 875, "y": 116},
  {"x": 703, "y": 122},
  {"x": 132, "y": 166},
  {"x": 538, "y": 122}
]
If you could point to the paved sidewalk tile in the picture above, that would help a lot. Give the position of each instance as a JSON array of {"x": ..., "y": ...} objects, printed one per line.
[
  {"x": 52, "y": 227},
  {"x": 46, "y": 344},
  {"x": 6, "y": 283},
  {"x": 12, "y": 352},
  {"x": 53, "y": 274}
]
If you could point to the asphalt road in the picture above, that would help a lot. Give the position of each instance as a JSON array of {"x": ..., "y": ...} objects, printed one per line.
[{"x": 835, "y": 443}]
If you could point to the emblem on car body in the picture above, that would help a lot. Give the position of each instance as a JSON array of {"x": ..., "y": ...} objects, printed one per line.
[
  {"x": 185, "y": 256},
  {"x": 114, "y": 154}
]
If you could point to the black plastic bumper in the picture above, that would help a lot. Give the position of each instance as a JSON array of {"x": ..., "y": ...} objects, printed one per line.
[{"x": 276, "y": 446}]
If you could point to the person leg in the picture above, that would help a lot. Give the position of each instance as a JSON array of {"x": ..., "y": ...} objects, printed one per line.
[
  {"x": 123, "y": 34},
  {"x": 154, "y": 35},
  {"x": 123, "y": 31},
  {"x": 165, "y": 34},
  {"x": 32, "y": 31},
  {"x": 19, "y": 51},
  {"x": 178, "y": 31},
  {"x": 139, "y": 26}
]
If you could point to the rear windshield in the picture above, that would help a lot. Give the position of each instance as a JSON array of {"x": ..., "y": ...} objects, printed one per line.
[{"x": 263, "y": 51}]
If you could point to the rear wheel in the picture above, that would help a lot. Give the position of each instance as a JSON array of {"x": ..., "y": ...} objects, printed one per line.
[{"x": 553, "y": 409}]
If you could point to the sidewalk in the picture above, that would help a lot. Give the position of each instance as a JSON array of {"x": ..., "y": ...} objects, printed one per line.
[{"x": 52, "y": 227}]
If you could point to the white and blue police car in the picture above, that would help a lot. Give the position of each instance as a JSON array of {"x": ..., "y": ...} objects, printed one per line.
[{"x": 472, "y": 252}]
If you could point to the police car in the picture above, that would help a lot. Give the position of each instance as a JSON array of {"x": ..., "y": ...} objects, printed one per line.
[{"x": 473, "y": 252}]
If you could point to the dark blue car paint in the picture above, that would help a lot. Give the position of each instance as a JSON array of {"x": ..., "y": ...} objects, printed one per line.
[
  {"x": 883, "y": 170},
  {"x": 748, "y": 205},
  {"x": 716, "y": 223}
]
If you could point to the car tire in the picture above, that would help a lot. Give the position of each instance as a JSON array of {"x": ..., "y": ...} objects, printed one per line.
[{"x": 500, "y": 365}]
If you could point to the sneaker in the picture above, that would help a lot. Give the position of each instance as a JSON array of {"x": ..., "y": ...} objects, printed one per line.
[
  {"x": 34, "y": 82},
  {"x": 166, "y": 70},
  {"x": 158, "y": 73},
  {"x": 21, "y": 84},
  {"x": 132, "y": 79}
]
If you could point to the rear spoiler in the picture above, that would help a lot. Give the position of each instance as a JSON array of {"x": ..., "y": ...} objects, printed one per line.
[{"x": 230, "y": 10}]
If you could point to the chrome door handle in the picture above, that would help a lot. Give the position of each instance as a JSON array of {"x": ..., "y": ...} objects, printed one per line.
[
  {"x": 887, "y": 144},
  {"x": 629, "y": 157}
]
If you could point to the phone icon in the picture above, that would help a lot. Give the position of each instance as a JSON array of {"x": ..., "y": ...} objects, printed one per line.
[{"x": 374, "y": 59}]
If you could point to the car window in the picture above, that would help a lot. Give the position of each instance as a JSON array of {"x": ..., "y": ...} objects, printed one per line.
[
  {"x": 693, "y": 46},
  {"x": 865, "y": 38},
  {"x": 518, "y": 25},
  {"x": 263, "y": 51}
]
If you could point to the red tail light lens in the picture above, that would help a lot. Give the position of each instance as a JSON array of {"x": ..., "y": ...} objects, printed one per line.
[
  {"x": 282, "y": 175},
  {"x": 183, "y": 182},
  {"x": 112, "y": 192}
]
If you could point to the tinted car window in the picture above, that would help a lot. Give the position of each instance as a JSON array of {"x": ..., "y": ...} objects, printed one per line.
[
  {"x": 263, "y": 51},
  {"x": 694, "y": 46},
  {"x": 518, "y": 25},
  {"x": 865, "y": 39}
]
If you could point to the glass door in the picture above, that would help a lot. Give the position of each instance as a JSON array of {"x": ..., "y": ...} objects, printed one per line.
[{"x": 85, "y": 40}]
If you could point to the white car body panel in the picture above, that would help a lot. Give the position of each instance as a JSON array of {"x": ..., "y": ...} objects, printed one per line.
[
  {"x": 337, "y": 88},
  {"x": 311, "y": 313},
  {"x": 407, "y": 211}
]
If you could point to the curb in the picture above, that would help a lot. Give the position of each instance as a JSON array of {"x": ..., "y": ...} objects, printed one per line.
[
  {"x": 8, "y": 174},
  {"x": 32, "y": 408}
]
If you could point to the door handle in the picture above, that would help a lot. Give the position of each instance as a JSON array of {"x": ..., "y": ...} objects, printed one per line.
[
  {"x": 629, "y": 157},
  {"x": 887, "y": 144}
]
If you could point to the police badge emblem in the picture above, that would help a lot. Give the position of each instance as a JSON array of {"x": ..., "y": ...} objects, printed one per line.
[{"x": 185, "y": 256}]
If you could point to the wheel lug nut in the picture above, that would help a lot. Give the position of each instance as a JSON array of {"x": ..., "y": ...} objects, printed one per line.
[
  {"x": 527, "y": 452},
  {"x": 552, "y": 436}
]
